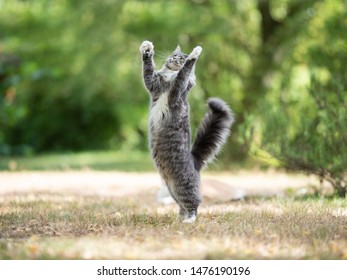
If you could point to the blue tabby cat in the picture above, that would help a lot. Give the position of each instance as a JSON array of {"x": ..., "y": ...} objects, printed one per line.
[{"x": 178, "y": 162}]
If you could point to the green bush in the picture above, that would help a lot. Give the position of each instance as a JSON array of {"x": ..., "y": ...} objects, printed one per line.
[
  {"x": 318, "y": 143},
  {"x": 303, "y": 121}
]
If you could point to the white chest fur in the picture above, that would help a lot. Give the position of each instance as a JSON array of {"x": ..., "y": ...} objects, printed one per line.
[
  {"x": 159, "y": 111},
  {"x": 168, "y": 75}
]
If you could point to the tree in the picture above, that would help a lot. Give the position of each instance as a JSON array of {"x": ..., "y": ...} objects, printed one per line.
[
  {"x": 78, "y": 84},
  {"x": 305, "y": 128}
]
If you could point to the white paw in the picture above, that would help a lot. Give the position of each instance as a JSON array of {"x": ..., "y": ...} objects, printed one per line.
[
  {"x": 146, "y": 47},
  {"x": 189, "y": 220},
  {"x": 195, "y": 53},
  {"x": 164, "y": 197}
]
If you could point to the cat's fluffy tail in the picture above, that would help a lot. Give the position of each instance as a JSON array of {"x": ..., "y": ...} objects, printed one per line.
[{"x": 212, "y": 132}]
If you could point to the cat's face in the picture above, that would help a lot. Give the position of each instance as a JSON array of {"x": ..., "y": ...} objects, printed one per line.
[{"x": 176, "y": 60}]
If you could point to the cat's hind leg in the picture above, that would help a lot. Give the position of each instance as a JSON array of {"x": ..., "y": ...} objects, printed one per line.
[
  {"x": 189, "y": 202},
  {"x": 190, "y": 216},
  {"x": 183, "y": 213},
  {"x": 163, "y": 195}
]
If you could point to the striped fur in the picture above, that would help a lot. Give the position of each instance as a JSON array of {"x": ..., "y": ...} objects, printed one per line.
[{"x": 179, "y": 164}]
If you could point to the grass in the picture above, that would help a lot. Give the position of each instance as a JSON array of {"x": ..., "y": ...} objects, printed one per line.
[
  {"x": 54, "y": 226},
  {"x": 121, "y": 160},
  {"x": 97, "y": 160}
]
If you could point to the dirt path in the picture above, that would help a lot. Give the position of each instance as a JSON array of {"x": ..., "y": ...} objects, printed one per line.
[{"x": 218, "y": 186}]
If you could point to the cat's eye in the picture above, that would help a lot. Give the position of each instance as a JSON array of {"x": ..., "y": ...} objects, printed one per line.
[{"x": 181, "y": 59}]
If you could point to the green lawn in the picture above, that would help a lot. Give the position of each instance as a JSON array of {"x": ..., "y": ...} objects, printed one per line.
[
  {"x": 102, "y": 160},
  {"x": 120, "y": 160}
]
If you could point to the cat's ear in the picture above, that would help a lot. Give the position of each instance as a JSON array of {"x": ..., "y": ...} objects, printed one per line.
[{"x": 178, "y": 49}]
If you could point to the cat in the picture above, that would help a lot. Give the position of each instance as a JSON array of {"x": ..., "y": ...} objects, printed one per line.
[{"x": 178, "y": 163}]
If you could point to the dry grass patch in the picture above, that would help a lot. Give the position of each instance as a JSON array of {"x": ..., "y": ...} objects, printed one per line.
[{"x": 54, "y": 226}]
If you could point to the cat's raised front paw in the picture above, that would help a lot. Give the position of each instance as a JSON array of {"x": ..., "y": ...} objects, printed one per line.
[
  {"x": 147, "y": 47},
  {"x": 195, "y": 53}
]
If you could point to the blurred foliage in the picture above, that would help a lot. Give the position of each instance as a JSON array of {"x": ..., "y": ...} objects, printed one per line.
[
  {"x": 70, "y": 70},
  {"x": 304, "y": 118}
]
